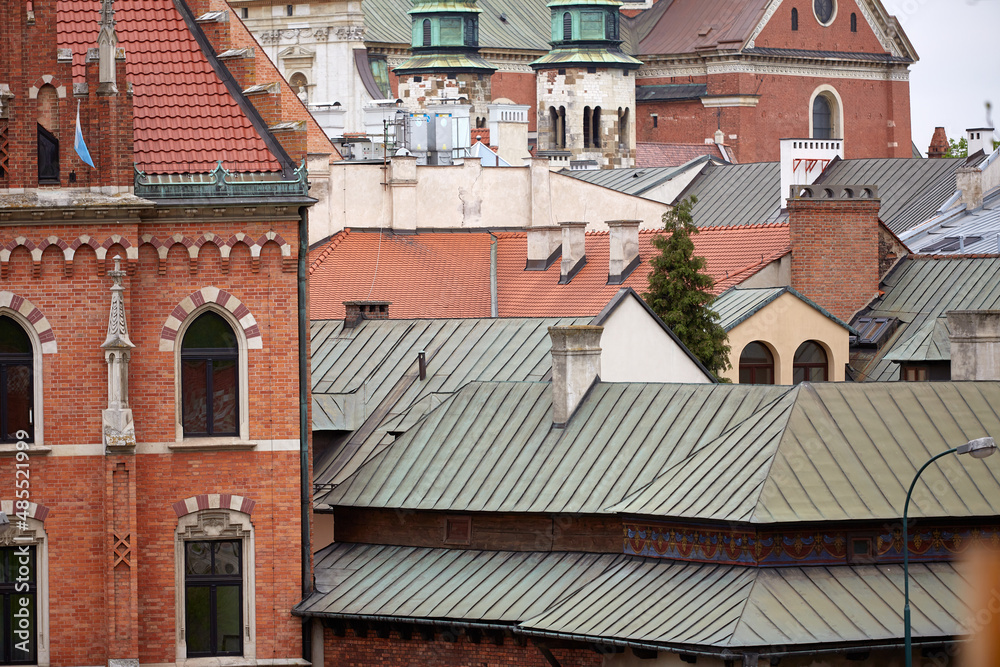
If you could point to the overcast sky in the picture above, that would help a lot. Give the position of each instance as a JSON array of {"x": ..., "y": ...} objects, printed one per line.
[{"x": 958, "y": 42}]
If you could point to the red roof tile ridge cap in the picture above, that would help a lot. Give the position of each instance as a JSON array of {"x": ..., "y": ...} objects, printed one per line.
[
  {"x": 756, "y": 225},
  {"x": 330, "y": 247}
]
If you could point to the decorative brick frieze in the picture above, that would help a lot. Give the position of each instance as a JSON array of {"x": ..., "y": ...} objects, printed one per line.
[
  {"x": 37, "y": 319},
  {"x": 35, "y": 511}
]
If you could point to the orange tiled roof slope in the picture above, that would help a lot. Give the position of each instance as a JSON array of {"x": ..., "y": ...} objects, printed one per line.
[
  {"x": 292, "y": 107},
  {"x": 184, "y": 118},
  {"x": 649, "y": 154},
  {"x": 436, "y": 274},
  {"x": 423, "y": 275},
  {"x": 727, "y": 251}
]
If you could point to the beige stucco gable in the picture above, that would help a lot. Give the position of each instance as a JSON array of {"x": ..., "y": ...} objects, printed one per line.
[{"x": 783, "y": 325}]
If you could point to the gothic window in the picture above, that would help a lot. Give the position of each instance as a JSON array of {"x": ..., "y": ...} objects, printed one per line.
[
  {"x": 810, "y": 363},
  {"x": 16, "y": 390},
  {"x": 209, "y": 377},
  {"x": 756, "y": 365},
  {"x": 822, "y": 118},
  {"x": 854, "y": 22},
  {"x": 48, "y": 156},
  {"x": 427, "y": 32},
  {"x": 213, "y": 596},
  {"x": 795, "y": 19},
  {"x": 586, "y": 127},
  {"x": 18, "y": 601},
  {"x": 595, "y": 132},
  {"x": 567, "y": 26}
]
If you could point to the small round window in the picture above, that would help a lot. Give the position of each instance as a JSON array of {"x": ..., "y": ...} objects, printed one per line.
[{"x": 825, "y": 10}]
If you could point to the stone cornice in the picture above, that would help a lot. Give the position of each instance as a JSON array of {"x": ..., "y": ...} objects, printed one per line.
[{"x": 804, "y": 66}]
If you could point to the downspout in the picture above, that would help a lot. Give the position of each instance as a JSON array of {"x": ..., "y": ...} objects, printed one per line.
[
  {"x": 493, "y": 276},
  {"x": 305, "y": 488}
]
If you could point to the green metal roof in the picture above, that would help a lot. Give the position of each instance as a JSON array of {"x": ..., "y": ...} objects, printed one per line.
[
  {"x": 570, "y": 3},
  {"x": 922, "y": 289},
  {"x": 737, "y": 194},
  {"x": 441, "y": 6},
  {"x": 636, "y": 600},
  {"x": 443, "y": 61},
  {"x": 736, "y": 305},
  {"x": 592, "y": 57},
  {"x": 820, "y": 452},
  {"x": 930, "y": 342}
]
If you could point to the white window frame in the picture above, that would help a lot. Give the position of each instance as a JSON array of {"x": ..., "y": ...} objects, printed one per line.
[
  {"x": 38, "y": 539},
  {"x": 243, "y": 370},
  {"x": 836, "y": 109},
  {"x": 36, "y": 374},
  {"x": 217, "y": 524}
]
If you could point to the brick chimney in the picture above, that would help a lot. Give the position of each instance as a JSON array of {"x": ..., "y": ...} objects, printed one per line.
[
  {"x": 365, "y": 310},
  {"x": 544, "y": 247},
  {"x": 939, "y": 144},
  {"x": 975, "y": 344},
  {"x": 574, "y": 250},
  {"x": 834, "y": 233},
  {"x": 623, "y": 249},
  {"x": 576, "y": 365}
]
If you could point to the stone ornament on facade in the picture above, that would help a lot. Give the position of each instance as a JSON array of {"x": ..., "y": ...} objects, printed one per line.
[
  {"x": 353, "y": 33},
  {"x": 118, "y": 427}
]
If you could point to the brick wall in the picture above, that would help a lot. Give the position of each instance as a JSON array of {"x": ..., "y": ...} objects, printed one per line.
[
  {"x": 835, "y": 252},
  {"x": 447, "y": 649},
  {"x": 519, "y": 88}
]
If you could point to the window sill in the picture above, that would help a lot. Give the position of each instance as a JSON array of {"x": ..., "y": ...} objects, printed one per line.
[
  {"x": 210, "y": 444},
  {"x": 10, "y": 449},
  {"x": 242, "y": 662}
]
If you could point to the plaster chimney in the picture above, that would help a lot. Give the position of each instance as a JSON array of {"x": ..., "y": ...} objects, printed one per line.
[
  {"x": 508, "y": 124},
  {"x": 803, "y": 161},
  {"x": 574, "y": 250},
  {"x": 365, "y": 310},
  {"x": 576, "y": 365},
  {"x": 975, "y": 344},
  {"x": 979, "y": 139},
  {"x": 623, "y": 250},
  {"x": 544, "y": 247},
  {"x": 939, "y": 144}
]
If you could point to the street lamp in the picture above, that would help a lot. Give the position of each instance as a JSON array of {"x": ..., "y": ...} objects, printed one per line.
[{"x": 979, "y": 448}]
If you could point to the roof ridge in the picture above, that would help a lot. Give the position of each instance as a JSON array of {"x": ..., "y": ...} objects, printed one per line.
[
  {"x": 982, "y": 255},
  {"x": 325, "y": 252}
]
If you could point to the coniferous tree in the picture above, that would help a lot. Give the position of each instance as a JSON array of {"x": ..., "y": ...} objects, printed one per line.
[{"x": 679, "y": 291}]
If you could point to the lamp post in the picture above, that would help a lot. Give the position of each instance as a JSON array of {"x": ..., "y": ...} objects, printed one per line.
[{"x": 979, "y": 448}]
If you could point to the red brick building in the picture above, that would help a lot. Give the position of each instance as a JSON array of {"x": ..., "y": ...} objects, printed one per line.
[{"x": 149, "y": 357}]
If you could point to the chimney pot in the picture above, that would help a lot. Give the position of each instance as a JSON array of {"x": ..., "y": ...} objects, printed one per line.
[
  {"x": 574, "y": 250},
  {"x": 939, "y": 144},
  {"x": 623, "y": 250},
  {"x": 576, "y": 365},
  {"x": 975, "y": 344},
  {"x": 544, "y": 247}
]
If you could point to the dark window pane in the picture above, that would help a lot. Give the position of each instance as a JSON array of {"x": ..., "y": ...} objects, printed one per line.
[
  {"x": 210, "y": 331},
  {"x": 21, "y": 653},
  {"x": 765, "y": 376},
  {"x": 227, "y": 558},
  {"x": 810, "y": 353},
  {"x": 13, "y": 338},
  {"x": 18, "y": 389},
  {"x": 567, "y": 26},
  {"x": 427, "y": 32},
  {"x": 227, "y": 619},
  {"x": 197, "y": 620},
  {"x": 798, "y": 374},
  {"x": 822, "y": 119},
  {"x": 755, "y": 353},
  {"x": 224, "y": 406},
  {"x": 48, "y": 156},
  {"x": 198, "y": 559},
  {"x": 195, "y": 395}
]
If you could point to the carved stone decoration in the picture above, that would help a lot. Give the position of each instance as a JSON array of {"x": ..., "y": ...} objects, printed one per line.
[
  {"x": 118, "y": 428},
  {"x": 353, "y": 33},
  {"x": 107, "y": 46}
]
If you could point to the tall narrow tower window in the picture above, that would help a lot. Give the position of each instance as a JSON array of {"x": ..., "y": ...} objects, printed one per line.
[
  {"x": 427, "y": 32},
  {"x": 48, "y": 156},
  {"x": 567, "y": 26},
  {"x": 595, "y": 131},
  {"x": 795, "y": 19},
  {"x": 822, "y": 118},
  {"x": 586, "y": 127},
  {"x": 854, "y": 22},
  {"x": 209, "y": 367}
]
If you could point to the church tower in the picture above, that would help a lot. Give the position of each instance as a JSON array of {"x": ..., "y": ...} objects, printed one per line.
[
  {"x": 445, "y": 61},
  {"x": 586, "y": 86}
]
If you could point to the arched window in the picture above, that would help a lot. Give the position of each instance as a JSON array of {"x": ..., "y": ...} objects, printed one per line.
[
  {"x": 623, "y": 128},
  {"x": 567, "y": 26},
  {"x": 586, "y": 126},
  {"x": 427, "y": 32},
  {"x": 822, "y": 116},
  {"x": 16, "y": 389},
  {"x": 795, "y": 19},
  {"x": 210, "y": 378},
  {"x": 854, "y": 22},
  {"x": 595, "y": 130},
  {"x": 756, "y": 365},
  {"x": 810, "y": 364}
]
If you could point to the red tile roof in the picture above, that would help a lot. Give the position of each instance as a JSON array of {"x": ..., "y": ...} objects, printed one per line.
[
  {"x": 648, "y": 154},
  {"x": 433, "y": 274},
  {"x": 185, "y": 119},
  {"x": 423, "y": 275}
]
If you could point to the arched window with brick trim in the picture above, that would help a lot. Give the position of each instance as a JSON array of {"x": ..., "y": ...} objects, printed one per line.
[
  {"x": 24, "y": 588},
  {"x": 210, "y": 377},
  {"x": 16, "y": 382}
]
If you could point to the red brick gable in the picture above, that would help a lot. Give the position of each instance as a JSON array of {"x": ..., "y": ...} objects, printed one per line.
[{"x": 813, "y": 36}]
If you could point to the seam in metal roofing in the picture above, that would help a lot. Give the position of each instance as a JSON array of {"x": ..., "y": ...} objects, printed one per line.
[{"x": 633, "y": 599}]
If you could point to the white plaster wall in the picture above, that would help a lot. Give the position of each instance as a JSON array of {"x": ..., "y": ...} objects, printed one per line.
[
  {"x": 634, "y": 348},
  {"x": 668, "y": 192},
  {"x": 776, "y": 274},
  {"x": 469, "y": 195}
]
